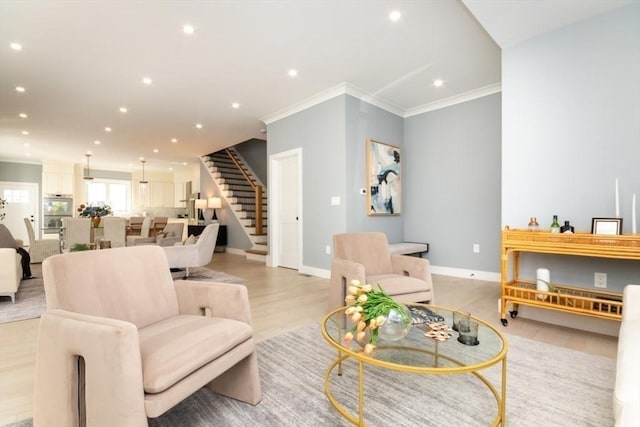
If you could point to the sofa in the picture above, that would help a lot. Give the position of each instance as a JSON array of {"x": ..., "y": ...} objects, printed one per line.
[
  {"x": 10, "y": 272},
  {"x": 626, "y": 392}
]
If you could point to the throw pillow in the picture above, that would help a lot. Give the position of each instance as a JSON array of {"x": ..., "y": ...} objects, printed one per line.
[{"x": 191, "y": 240}]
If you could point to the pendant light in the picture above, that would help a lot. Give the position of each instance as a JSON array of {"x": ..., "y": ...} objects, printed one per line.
[
  {"x": 88, "y": 176},
  {"x": 143, "y": 182}
]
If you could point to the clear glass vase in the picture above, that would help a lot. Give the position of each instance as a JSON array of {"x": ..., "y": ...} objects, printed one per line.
[{"x": 396, "y": 326}]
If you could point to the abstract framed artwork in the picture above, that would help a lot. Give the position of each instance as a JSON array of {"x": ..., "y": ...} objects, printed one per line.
[{"x": 383, "y": 178}]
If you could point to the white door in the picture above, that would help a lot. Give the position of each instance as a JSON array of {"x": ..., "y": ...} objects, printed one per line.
[
  {"x": 22, "y": 202},
  {"x": 286, "y": 243}
]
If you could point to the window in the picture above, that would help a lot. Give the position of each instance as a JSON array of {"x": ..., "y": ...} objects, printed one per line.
[{"x": 112, "y": 192}]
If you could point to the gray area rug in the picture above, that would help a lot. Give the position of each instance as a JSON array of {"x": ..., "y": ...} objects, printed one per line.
[
  {"x": 547, "y": 386},
  {"x": 30, "y": 300}
]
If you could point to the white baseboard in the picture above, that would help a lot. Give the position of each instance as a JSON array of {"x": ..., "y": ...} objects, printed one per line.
[
  {"x": 313, "y": 271},
  {"x": 235, "y": 251},
  {"x": 464, "y": 273}
]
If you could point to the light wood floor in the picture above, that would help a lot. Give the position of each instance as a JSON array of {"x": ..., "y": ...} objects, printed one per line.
[{"x": 282, "y": 300}]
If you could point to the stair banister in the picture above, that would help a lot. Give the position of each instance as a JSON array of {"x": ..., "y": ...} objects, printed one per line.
[{"x": 257, "y": 189}]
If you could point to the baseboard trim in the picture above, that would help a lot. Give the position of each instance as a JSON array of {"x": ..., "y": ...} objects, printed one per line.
[
  {"x": 464, "y": 273},
  {"x": 313, "y": 271}
]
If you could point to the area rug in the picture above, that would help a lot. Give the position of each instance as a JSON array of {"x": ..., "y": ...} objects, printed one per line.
[
  {"x": 30, "y": 300},
  {"x": 547, "y": 386}
]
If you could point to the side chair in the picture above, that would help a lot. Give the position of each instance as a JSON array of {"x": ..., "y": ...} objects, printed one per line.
[{"x": 39, "y": 249}]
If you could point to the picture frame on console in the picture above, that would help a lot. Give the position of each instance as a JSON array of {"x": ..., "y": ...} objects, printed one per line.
[
  {"x": 610, "y": 226},
  {"x": 383, "y": 178}
]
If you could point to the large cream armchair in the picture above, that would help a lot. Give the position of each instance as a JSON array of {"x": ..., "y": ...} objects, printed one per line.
[
  {"x": 121, "y": 341},
  {"x": 366, "y": 257}
]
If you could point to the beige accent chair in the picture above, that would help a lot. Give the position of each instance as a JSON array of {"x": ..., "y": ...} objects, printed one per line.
[
  {"x": 144, "y": 231},
  {"x": 121, "y": 341},
  {"x": 115, "y": 230},
  {"x": 194, "y": 255},
  {"x": 40, "y": 249},
  {"x": 366, "y": 257},
  {"x": 75, "y": 230},
  {"x": 10, "y": 264},
  {"x": 169, "y": 236}
]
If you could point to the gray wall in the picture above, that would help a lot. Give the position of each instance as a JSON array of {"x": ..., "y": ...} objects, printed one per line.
[
  {"x": 254, "y": 152},
  {"x": 364, "y": 121},
  {"x": 452, "y": 183},
  {"x": 320, "y": 132},
  {"x": 21, "y": 172},
  {"x": 571, "y": 126}
]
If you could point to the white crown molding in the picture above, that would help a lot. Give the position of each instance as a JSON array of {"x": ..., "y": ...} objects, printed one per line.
[
  {"x": 453, "y": 100},
  {"x": 352, "y": 90}
]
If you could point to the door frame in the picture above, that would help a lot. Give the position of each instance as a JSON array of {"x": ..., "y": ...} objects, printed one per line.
[
  {"x": 37, "y": 215},
  {"x": 275, "y": 193}
]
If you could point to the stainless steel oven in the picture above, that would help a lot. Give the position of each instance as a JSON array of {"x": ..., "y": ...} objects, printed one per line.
[{"x": 54, "y": 208}]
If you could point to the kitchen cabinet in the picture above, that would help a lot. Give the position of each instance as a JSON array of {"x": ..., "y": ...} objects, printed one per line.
[
  {"x": 179, "y": 195},
  {"x": 161, "y": 194},
  {"x": 57, "y": 183}
]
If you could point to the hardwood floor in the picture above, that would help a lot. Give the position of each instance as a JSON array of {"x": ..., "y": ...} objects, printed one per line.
[{"x": 282, "y": 300}]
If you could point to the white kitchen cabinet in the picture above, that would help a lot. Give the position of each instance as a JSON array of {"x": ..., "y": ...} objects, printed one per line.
[
  {"x": 161, "y": 194},
  {"x": 57, "y": 183},
  {"x": 179, "y": 195}
]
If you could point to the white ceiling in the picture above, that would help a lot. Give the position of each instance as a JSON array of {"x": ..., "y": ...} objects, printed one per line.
[{"x": 81, "y": 61}]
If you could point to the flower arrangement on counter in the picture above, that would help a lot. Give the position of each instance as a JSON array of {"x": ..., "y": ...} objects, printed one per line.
[
  {"x": 94, "y": 211},
  {"x": 370, "y": 309}
]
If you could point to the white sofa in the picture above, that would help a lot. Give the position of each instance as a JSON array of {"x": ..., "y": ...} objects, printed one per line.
[
  {"x": 10, "y": 272},
  {"x": 626, "y": 393}
]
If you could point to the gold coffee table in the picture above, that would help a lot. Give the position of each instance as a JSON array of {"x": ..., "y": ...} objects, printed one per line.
[{"x": 418, "y": 354}]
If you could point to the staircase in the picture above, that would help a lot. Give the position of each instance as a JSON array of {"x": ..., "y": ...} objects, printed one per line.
[{"x": 241, "y": 189}]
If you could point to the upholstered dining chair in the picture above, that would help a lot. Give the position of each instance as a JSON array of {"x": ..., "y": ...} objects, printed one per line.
[
  {"x": 169, "y": 236},
  {"x": 39, "y": 249},
  {"x": 196, "y": 254},
  {"x": 134, "y": 226},
  {"x": 120, "y": 341},
  {"x": 158, "y": 224},
  {"x": 75, "y": 230},
  {"x": 366, "y": 257},
  {"x": 144, "y": 231},
  {"x": 115, "y": 230}
]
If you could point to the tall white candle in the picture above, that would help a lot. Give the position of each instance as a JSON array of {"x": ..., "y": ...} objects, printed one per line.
[
  {"x": 633, "y": 214},
  {"x": 617, "y": 201}
]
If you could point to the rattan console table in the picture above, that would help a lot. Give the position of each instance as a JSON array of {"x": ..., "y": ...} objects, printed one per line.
[{"x": 584, "y": 301}]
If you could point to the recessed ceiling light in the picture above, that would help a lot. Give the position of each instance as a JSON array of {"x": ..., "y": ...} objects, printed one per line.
[
  {"x": 96, "y": 142},
  {"x": 438, "y": 82},
  {"x": 292, "y": 72},
  {"x": 123, "y": 109},
  {"x": 174, "y": 140},
  {"x": 395, "y": 16},
  {"x": 26, "y": 145},
  {"x": 184, "y": 163},
  {"x": 155, "y": 150},
  {"x": 89, "y": 153},
  {"x": 25, "y": 132},
  {"x": 199, "y": 125},
  {"x": 23, "y": 115},
  {"x": 20, "y": 89},
  {"x": 170, "y": 168},
  {"x": 28, "y": 154},
  {"x": 188, "y": 29},
  {"x": 235, "y": 105},
  {"x": 147, "y": 80},
  {"x": 16, "y": 46},
  {"x": 107, "y": 129}
]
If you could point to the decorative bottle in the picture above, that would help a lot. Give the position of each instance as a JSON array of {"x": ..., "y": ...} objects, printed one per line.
[
  {"x": 566, "y": 228},
  {"x": 533, "y": 224},
  {"x": 555, "y": 227}
]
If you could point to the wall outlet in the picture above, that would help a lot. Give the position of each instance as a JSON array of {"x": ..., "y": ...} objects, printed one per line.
[
  {"x": 327, "y": 250},
  {"x": 600, "y": 280},
  {"x": 476, "y": 248}
]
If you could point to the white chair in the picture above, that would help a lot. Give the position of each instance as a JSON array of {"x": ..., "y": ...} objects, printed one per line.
[
  {"x": 169, "y": 236},
  {"x": 197, "y": 254},
  {"x": 76, "y": 230},
  {"x": 40, "y": 249},
  {"x": 144, "y": 231},
  {"x": 115, "y": 230}
]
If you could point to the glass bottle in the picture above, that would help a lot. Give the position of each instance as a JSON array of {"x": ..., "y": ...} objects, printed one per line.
[
  {"x": 533, "y": 224},
  {"x": 566, "y": 228},
  {"x": 555, "y": 227}
]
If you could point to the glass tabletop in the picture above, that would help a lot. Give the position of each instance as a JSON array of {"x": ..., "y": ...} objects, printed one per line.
[{"x": 417, "y": 352}]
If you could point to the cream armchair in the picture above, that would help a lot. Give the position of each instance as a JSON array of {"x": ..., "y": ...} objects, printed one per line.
[
  {"x": 194, "y": 255},
  {"x": 121, "y": 341},
  {"x": 366, "y": 257},
  {"x": 10, "y": 272}
]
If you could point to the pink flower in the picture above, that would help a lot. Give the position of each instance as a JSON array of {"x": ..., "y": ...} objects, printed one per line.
[
  {"x": 362, "y": 299},
  {"x": 360, "y": 336},
  {"x": 348, "y": 337},
  {"x": 368, "y": 349},
  {"x": 361, "y": 325},
  {"x": 356, "y": 317}
]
